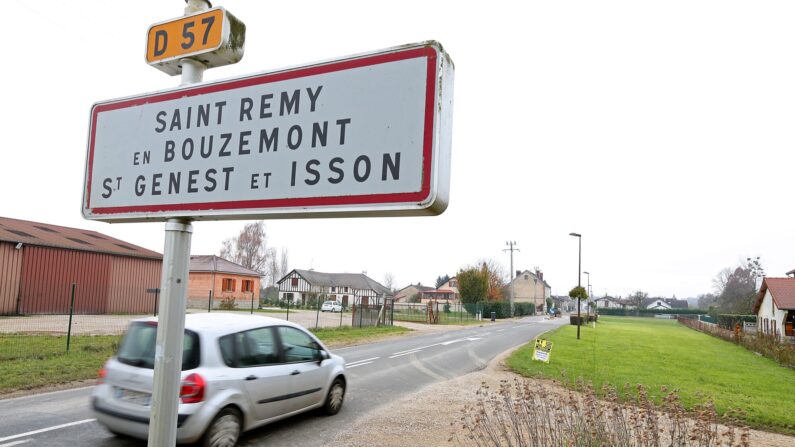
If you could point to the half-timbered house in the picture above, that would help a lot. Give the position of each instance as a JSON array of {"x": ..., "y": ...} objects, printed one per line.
[{"x": 301, "y": 286}]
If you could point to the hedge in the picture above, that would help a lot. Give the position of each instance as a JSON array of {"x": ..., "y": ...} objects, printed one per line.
[
  {"x": 649, "y": 312},
  {"x": 728, "y": 321}
]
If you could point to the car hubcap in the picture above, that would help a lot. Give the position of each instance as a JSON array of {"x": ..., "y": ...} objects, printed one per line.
[
  {"x": 225, "y": 431},
  {"x": 336, "y": 396}
]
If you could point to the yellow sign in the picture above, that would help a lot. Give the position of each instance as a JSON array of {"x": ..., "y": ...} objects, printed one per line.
[
  {"x": 542, "y": 350},
  {"x": 185, "y": 36}
]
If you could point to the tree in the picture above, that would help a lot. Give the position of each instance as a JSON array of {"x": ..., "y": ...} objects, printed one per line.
[
  {"x": 720, "y": 280},
  {"x": 440, "y": 280},
  {"x": 706, "y": 300},
  {"x": 473, "y": 284},
  {"x": 389, "y": 281},
  {"x": 495, "y": 274},
  {"x": 249, "y": 248},
  {"x": 638, "y": 299}
]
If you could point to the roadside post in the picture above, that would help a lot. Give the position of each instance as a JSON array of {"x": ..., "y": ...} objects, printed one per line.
[
  {"x": 359, "y": 136},
  {"x": 71, "y": 312}
]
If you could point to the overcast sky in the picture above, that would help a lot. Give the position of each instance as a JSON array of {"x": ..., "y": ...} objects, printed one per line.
[{"x": 661, "y": 131}]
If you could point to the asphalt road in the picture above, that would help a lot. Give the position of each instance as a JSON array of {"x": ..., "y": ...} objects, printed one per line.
[{"x": 378, "y": 373}]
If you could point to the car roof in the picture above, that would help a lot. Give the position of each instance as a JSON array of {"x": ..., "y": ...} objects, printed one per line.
[{"x": 226, "y": 322}]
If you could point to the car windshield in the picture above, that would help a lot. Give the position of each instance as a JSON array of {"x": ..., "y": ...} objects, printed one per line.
[{"x": 137, "y": 348}]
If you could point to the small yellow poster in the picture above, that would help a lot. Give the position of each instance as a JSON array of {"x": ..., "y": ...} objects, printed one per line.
[{"x": 542, "y": 350}]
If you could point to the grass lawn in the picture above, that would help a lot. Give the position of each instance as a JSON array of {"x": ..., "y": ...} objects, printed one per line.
[
  {"x": 347, "y": 335},
  {"x": 658, "y": 353},
  {"x": 35, "y": 361}
]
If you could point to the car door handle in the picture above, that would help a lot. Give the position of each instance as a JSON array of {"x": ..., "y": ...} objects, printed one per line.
[
  {"x": 295, "y": 373},
  {"x": 251, "y": 377}
]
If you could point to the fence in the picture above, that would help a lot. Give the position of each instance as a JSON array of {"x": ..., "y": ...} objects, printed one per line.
[
  {"x": 436, "y": 312},
  {"x": 710, "y": 328}
]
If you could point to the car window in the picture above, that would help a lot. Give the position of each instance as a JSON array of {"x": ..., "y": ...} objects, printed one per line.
[
  {"x": 256, "y": 347},
  {"x": 137, "y": 348},
  {"x": 298, "y": 346}
]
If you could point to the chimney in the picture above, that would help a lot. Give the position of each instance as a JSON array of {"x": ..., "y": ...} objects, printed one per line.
[
  {"x": 540, "y": 275},
  {"x": 518, "y": 272}
]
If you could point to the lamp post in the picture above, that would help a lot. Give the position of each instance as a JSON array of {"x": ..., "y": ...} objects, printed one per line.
[
  {"x": 511, "y": 248},
  {"x": 579, "y": 269}
]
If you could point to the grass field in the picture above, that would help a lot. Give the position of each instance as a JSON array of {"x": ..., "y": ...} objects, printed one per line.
[
  {"x": 35, "y": 361},
  {"x": 659, "y": 353}
]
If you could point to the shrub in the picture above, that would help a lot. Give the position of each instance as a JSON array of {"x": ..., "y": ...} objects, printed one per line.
[
  {"x": 520, "y": 309},
  {"x": 227, "y": 303},
  {"x": 728, "y": 321},
  {"x": 526, "y": 414}
]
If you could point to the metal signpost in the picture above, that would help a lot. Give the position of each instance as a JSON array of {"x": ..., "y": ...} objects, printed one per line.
[{"x": 365, "y": 135}]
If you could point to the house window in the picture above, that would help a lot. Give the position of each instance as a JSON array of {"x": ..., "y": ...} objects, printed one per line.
[
  {"x": 453, "y": 283},
  {"x": 294, "y": 282},
  {"x": 248, "y": 285},
  {"x": 526, "y": 277},
  {"x": 228, "y": 285},
  {"x": 333, "y": 289},
  {"x": 346, "y": 289}
]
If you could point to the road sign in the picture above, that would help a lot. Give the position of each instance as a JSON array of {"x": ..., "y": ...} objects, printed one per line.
[
  {"x": 361, "y": 135},
  {"x": 214, "y": 37},
  {"x": 543, "y": 349}
]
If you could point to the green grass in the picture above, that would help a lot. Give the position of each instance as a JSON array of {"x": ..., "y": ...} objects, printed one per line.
[
  {"x": 659, "y": 353},
  {"x": 33, "y": 361},
  {"x": 348, "y": 335}
]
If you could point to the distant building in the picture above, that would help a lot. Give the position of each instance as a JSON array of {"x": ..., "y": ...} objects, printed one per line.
[
  {"x": 223, "y": 280},
  {"x": 565, "y": 303},
  {"x": 445, "y": 292},
  {"x": 775, "y": 307},
  {"x": 39, "y": 262},
  {"x": 405, "y": 294},
  {"x": 609, "y": 302},
  {"x": 300, "y": 286},
  {"x": 530, "y": 287}
]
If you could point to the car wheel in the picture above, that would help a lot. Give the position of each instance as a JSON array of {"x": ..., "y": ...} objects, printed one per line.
[
  {"x": 335, "y": 397},
  {"x": 224, "y": 429}
]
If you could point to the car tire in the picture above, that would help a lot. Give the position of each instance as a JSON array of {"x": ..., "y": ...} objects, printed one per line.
[
  {"x": 335, "y": 397},
  {"x": 224, "y": 430}
]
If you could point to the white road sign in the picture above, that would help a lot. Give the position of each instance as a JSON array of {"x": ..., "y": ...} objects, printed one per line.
[{"x": 363, "y": 135}]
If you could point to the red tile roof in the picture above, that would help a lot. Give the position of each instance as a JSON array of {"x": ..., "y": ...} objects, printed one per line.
[
  {"x": 781, "y": 289},
  {"x": 47, "y": 235}
]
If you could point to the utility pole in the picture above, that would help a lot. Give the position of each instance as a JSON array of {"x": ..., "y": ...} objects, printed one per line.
[
  {"x": 511, "y": 247},
  {"x": 579, "y": 276}
]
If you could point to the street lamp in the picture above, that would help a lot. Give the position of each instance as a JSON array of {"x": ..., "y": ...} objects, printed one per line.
[{"x": 579, "y": 269}]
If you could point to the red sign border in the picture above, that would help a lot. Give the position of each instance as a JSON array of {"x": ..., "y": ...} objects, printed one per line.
[{"x": 420, "y": 196}]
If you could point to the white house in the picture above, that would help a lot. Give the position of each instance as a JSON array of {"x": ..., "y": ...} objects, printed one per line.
[
  {"x": 658, "y": 304},
  {"x": 775, "y": 307},
  {"x": 608, "y": 302},
  {"x": 298, "y": 286}
]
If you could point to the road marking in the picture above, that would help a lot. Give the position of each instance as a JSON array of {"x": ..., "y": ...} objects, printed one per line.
[
  {"x": 500, "y": 330},
  {"x": 42, "y": 430},
  {"x": 352, "y": 366},
  {"x": 15, "y": 443},
  {"x": 405, "y": 353},
  {"x": 370, "y": 360}
]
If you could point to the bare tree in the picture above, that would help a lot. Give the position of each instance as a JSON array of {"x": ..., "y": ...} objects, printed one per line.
[
  {"x": 720, "y": 280},
  {"x": 389, "y": 281},
  {"x": 249, "y": 248},
  {"x": 272, "y": 270},
  {"x": 284, "y": 263}
]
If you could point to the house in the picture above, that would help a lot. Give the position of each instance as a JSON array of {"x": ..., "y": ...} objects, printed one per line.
[
  {"x": 775, "y": 307},
  {"x": 609, "y": 302},
  {"x": 530, "y": 287},
  {"x": 212, "y": 280},
  {"x": 299, "y": 286},
  {"x": 664, "y": 303},
  {"x": 446, "y": 292},
  {"x": 565, "y": 303},
  {"x": 39, "y": 262},
  {"x": 406, "y": 294}
]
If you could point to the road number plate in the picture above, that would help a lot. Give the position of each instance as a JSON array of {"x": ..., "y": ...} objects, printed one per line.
[{"x": 133, "y": 397}]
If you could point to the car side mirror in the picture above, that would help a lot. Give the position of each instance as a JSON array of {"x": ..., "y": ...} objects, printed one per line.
[{"x": 322, "y": 355}]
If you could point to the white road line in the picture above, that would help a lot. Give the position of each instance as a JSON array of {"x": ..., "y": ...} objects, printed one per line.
[
  {"x": 404, "y": 353},
  {"x": 352, "y": 366},
  {"x": 370, "y": 360},
  {"x": 55, "y": 427},
  {"x": 15, "y": 443}
]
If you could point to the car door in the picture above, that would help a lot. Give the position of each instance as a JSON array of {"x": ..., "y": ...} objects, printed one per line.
[
  {"x": 264, "y": 377},
  {"x": 309, "y": 377}
]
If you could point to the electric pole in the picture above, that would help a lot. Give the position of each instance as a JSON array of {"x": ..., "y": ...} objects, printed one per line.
[{"x": 511, "y": 247}]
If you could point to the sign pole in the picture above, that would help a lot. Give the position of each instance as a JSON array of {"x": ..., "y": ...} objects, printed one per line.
[
  {"x": 174, "y": 286},
  {"x": 170, "y": 333}
]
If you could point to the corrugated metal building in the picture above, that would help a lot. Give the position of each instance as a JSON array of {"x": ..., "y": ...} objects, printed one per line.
[{"x": 39, "y": 262}]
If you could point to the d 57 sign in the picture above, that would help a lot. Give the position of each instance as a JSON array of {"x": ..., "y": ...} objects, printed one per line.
[
  {"x": 214, "y": 37},
  {"x": 361, "y": 135}
]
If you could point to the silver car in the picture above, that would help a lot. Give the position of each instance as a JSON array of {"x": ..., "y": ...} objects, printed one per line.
[{"x": 239, "y": 372}]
